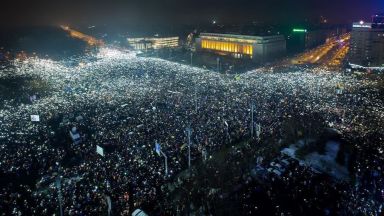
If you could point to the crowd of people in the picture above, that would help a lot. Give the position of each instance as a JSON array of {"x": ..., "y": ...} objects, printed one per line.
[{"x": 125, "y": 103}]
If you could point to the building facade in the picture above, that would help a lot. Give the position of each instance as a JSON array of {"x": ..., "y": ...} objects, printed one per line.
[
  {"x": 367, "y": 45},
  {"x": 257, "y": 48},
  {"x": 303, "y": 39},
  {"x": 146, "y": 43}
]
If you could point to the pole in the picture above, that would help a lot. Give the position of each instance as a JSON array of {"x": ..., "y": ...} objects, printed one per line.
[
  {"x": 218, "y": 64},
  {"x": 189, "y": 131},
  {"x": 166, "y": 162},
  {"x": 191, "y": 58},
  {"x": 189, "y": 147},
  {"x": 258, "y": 131},
  {"x": 252, "y": 120},
  {"x": 58, "y": 186},
  {"x": 196, "y": 99},
  {"x": 109, "y": 202}
]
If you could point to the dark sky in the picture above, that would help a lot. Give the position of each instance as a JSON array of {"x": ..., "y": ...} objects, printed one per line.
[{"x": 128, "y": 12}]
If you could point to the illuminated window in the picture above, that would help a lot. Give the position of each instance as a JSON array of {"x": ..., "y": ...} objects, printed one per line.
[{"x": 246, "y": 49}]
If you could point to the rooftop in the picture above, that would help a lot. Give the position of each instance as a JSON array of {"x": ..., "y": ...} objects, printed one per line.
[{"x": 240, "y": 38}]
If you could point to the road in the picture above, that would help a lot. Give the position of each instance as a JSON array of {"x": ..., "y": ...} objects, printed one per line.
[
  {"x": 330, "y": 54},
  {"x": 92, "y": 41}
]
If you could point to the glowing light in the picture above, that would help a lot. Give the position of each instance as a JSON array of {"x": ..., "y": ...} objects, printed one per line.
[
  {"x": 109, "y": 53},
  {"x": 361, "y": 24},
  {"x": 76, "y": 34},
  {"x": 246, "y": 49},
  {"x": 299, "y": 30}
]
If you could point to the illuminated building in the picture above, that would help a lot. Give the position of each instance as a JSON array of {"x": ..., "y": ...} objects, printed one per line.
[
  {"x": 367, "y": 44},
  {"x": 145, "y": 43},
  {"x": 257, "y": 48}
]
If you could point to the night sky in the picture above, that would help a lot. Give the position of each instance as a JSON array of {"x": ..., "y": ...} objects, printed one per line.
[{"x": 142, "y": 12}]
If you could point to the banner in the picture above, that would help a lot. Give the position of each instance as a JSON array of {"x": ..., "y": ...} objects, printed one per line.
[{"x": 35, "y": 118}]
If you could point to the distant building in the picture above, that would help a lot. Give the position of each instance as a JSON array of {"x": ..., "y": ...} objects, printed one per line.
[
  {"x": 301, "y": 39},
  {"x": 139, "y": 43},
  {"x": 378, "y": 19},
  {"x": 367, "y": 43},
  {"x": 257, "y": 48},
  {"x": 146, "y": 43}
]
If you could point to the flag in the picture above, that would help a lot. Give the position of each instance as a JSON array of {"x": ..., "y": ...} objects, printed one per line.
[
  {"x": 100, "y": 150},
  {"x": 157, "y": 148}
]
